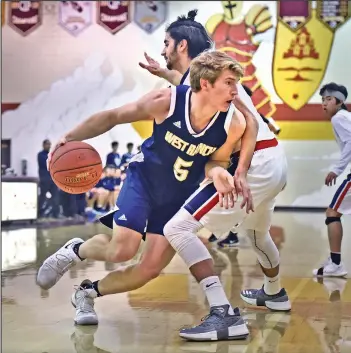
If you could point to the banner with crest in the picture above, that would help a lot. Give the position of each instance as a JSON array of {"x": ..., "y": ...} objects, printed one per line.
[
  {"x": 150, "y": 15},
  {"x": 75, "y": 16},
  {"x": 113, "y": 15},
  {"x": 333, "y": 14},
  {"x": 24, "y": 16},
  {"x": 301, "y": 53}
]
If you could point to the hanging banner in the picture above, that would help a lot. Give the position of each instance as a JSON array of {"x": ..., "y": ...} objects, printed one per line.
[
  {"x": 333, "y": 14},
  {"x": 294, "y": 14},
  {"x": 75, "y": 16},
  {"x": 301, "y": 52},
  {"x": 149, "y": 15},
  {"x": 113, "y": 15},
  {"x": 25, "y": 16},
  {"x": 3, "y": 10}
]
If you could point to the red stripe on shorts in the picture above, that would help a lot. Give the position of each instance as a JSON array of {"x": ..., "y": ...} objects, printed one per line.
[{"x": 342, "y": 196}]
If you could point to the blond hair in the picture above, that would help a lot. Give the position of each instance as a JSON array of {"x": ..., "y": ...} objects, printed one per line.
[{"x": 209, "y": 66}]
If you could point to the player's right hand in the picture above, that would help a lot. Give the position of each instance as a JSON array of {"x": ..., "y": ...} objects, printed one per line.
[
  {"x": 153, "y": 66},
  {"x": 54, "y": 147},
  {"x": 224, "y": 184}
]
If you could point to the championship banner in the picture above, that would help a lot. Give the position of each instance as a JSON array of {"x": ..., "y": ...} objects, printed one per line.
[
  {"x": 301, "y": 52},
  {"x": 149, "y": 15},
  {"x": 294, "y": 14},
  {"x": 113, "y": 15},
  {"x": 3, "y": 9},
  {"x": 333, "y": 14},
  {"x": 25, "y": 16},
  {"x": 75, "y": 16}
]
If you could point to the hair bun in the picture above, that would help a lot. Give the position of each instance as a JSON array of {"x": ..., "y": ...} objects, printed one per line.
[{"x": 191, "y": 15}]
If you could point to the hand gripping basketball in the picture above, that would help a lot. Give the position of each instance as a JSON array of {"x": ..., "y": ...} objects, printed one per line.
[{"x": 61, "y": 142}]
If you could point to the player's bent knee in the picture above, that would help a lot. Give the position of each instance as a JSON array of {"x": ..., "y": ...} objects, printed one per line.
[
  {"x": 181, "y": 232},
  {"x": 149, "y": 271},
  {"x": 123, "y": 246},
  {"x": 264, "y": 247},
  {"x": 119, "y": 255},
  {"x": 332, "y": 213}
]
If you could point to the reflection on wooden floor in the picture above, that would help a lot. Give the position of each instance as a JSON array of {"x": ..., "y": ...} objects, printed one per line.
[{"x": 147, "y": 320}]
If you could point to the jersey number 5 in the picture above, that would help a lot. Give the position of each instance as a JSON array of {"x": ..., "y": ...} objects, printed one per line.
[{"x": 180, "y": 169}]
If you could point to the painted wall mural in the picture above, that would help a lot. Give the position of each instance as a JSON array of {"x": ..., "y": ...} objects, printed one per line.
[{"x": 233, "y": 32}]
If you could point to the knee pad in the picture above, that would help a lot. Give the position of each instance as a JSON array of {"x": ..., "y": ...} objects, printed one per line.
[
  {"x": 329, "y": 220},
  {"x": 181, "y": 231},
  {"x": 264, "y": 247}
]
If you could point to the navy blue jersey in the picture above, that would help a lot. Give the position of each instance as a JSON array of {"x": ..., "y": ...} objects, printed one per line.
[{"x": 174, "y": 157}]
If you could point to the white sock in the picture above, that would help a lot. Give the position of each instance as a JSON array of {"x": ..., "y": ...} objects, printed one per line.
[
  {"x": 272, "y": 285},
  {"x": 215, "y": 293}
]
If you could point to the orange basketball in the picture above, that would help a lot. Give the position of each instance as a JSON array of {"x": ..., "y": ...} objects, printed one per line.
[{"x": 75, "y": 167}]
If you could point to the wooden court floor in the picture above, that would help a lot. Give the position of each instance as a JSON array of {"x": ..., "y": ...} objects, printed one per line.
[{"x": 147, "y": 320}]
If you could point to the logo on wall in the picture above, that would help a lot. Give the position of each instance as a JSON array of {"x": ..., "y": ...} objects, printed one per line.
[
  {"x": 113, "y": 15},
  {"x": 25, "y": 16},
  {"x": 149, "y": 15},
  {"x": 333, "y": 14},
  {"x": 233, "y": 32},
  {"x": 75, "y": 16},
  {"x": 3, "y": 10},
  {"x": 301, "y": 52}
]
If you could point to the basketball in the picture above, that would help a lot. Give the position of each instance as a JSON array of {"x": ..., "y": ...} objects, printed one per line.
[{"x": 75, "y": 167}]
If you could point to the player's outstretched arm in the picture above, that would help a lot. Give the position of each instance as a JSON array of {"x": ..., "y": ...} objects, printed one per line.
[
  {"x": 152, "y": 106},
  {"x": 172, "y": 76}
]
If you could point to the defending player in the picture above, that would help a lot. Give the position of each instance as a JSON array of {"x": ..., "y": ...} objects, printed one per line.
[{"x": 266, "y": 176}]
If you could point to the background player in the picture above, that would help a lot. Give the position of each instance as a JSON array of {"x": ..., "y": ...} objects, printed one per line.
[
  {"x": 159, "y": 179},
  {"x": 333, "y": 97}
]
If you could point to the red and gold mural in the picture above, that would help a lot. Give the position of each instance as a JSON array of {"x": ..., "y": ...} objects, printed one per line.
[{"x": 233, "y": 32}]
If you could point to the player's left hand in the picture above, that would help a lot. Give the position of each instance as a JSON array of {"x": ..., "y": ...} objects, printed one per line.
[
  {"x": 242, "y": 188},
  {"x": 224, "y": 184},
  {"x": 152, "y": 66},
  {"x": 331, "y": 177}
]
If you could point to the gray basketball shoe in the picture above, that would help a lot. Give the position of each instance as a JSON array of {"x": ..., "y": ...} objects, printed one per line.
[
  {"x": 258, "y": 297},
  {"x": 218, "y": 325}
]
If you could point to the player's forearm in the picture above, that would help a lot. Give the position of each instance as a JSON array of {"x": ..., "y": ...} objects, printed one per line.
[
  {"x": 248, "y": 143},
  {"x": 96, "y": 125},
  {"x": 345, "y": 159}
]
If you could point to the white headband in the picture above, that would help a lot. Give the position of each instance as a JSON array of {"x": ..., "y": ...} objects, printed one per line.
[{"x": 335, "y": 94}]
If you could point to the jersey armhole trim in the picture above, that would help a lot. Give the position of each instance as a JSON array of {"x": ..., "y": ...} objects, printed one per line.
[
  {"x": 229, "y": 117},
  {"x": 173, "y": 102}
]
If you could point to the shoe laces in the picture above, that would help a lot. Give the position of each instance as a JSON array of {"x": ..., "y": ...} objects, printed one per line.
[
  {"x": 84, "y": 303},
  {"x": 59, "y": 263}
]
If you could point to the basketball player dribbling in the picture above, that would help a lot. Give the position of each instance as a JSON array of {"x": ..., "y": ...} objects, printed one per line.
[
  {"x": 333, "y": 97},
  {"x": 267, "y": 177},
  {"x": 195, "y": 131}
]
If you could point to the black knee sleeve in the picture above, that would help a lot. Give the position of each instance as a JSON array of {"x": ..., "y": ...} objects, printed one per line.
[{"x": 332, "y": 219}]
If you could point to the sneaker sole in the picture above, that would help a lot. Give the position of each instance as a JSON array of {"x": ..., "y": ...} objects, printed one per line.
[
  {"x": 89, "y": 320},
  {"x": 41, "y": 285},
  {"x": 339, "y": 275},
  {"x": 239, "y": 332},
  {"x": 274, "y": 306}
]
